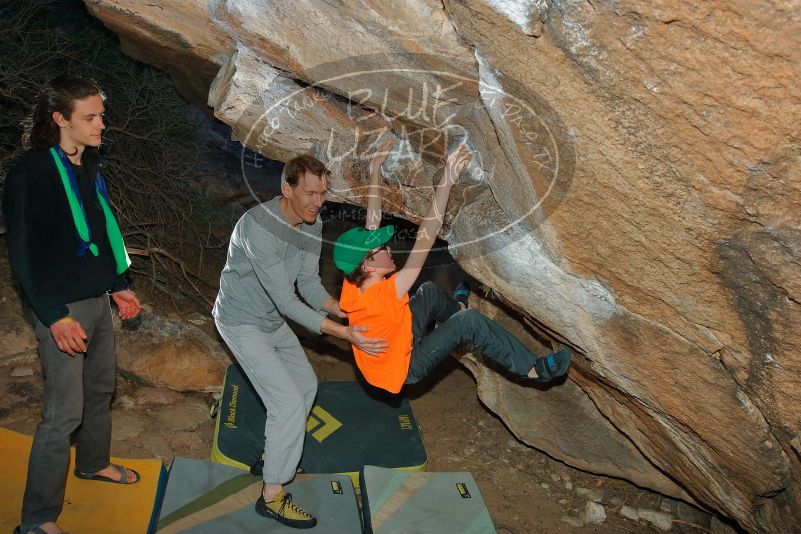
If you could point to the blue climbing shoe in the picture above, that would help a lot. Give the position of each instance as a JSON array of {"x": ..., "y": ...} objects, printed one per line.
[
  {"x": 462, "y": 293},
  {"x": 553, "y": 365}
]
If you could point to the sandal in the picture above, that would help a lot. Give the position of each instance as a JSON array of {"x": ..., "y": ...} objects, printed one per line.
[
  {"x": 102, "y": 478},
  {"x": 33, "y": 529}
]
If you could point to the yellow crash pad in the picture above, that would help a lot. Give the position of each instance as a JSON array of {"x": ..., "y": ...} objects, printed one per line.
[{"x": 89, "y": 506}]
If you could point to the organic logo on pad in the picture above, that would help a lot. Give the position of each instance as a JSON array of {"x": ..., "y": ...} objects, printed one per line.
[{"x": 319, "y": 417}]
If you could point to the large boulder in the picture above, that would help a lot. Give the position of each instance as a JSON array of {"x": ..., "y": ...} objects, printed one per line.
[
  {"x": 164, "y": 352},
  {"x": 633, "y": 190},
  {"x": 152, "y": 349},
  {"x": 559, "y": 418},
  {"x": 17, "y": 339}
]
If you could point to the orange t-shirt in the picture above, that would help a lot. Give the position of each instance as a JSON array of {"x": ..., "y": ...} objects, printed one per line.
[{"x": 388, "y": 317}]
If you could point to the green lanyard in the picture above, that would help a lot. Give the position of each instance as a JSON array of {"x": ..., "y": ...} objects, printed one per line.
[{"x": 121, "y": 257}]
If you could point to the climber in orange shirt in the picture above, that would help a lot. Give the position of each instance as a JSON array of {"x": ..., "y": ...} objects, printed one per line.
[{"x": 376, "y": 296}]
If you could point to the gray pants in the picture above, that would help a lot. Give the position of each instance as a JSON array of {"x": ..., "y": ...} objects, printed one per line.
[
  {"x": 456, "y": 326},
  {"x": 77, "y": 395},
  {"x": 279, "y": 370}
]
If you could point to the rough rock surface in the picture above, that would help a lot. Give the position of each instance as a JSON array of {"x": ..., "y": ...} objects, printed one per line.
[
  {"x": 561, "y": 419},
  {"x": 152, "y": 349},
  {"x": 17, "y": 340},
  {"x": 635, "y": 191},
  {"x": 189, "y": 45},
  {"x": 170, "y": 353}
]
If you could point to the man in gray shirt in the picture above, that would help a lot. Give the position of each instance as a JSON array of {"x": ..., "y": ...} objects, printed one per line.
[{"x": 274, "y": 246}]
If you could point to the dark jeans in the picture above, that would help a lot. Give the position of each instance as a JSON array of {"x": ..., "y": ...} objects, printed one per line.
[
  {"x": 77, "y": 396},
  {"x": 456, "y": 327}
]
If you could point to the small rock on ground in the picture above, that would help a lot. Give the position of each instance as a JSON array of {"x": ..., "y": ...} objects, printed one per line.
[
  {"x": 594, "y": 494},
  {"x": 573, "y": 521},
  {"x": 593, "y": 513},
  {"x": 125, "y": 401},
  {"x": 197, "y": 319},
  {"x": 25, "y": 370},
  {"x": 657, "y": 519},
  {"x": 629, "y": 513}
]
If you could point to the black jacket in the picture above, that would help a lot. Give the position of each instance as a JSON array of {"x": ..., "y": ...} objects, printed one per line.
[{"x": 43, "y": 242}]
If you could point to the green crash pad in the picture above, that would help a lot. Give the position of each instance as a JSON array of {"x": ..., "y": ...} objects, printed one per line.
[
  {"x": 207, "y": 498},
  {"x": 397, "y": 502},
  {"x": 351, "y": 425}
]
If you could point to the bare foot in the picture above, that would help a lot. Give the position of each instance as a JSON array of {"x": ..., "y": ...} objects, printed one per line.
[{"x": 50, "y": 527}]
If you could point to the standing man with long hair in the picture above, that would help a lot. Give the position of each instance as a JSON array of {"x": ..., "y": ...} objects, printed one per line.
[{"x": 67, "y": 253}]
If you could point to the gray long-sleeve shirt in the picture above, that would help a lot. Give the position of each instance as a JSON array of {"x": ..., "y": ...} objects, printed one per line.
[{"x": 266, "y": 257}]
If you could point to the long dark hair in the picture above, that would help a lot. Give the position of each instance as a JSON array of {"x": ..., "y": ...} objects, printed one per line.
[{"x": 41, "y": 131}]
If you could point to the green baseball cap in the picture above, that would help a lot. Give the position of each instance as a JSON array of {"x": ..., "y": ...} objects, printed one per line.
[{"x": 352, "y": 246}]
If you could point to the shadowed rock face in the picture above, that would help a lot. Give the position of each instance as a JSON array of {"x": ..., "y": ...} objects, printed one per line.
[{"x": 635, "y": 193}]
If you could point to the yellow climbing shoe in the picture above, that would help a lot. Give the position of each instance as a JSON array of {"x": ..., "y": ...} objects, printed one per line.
[{"x": 285, "y": 511}]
